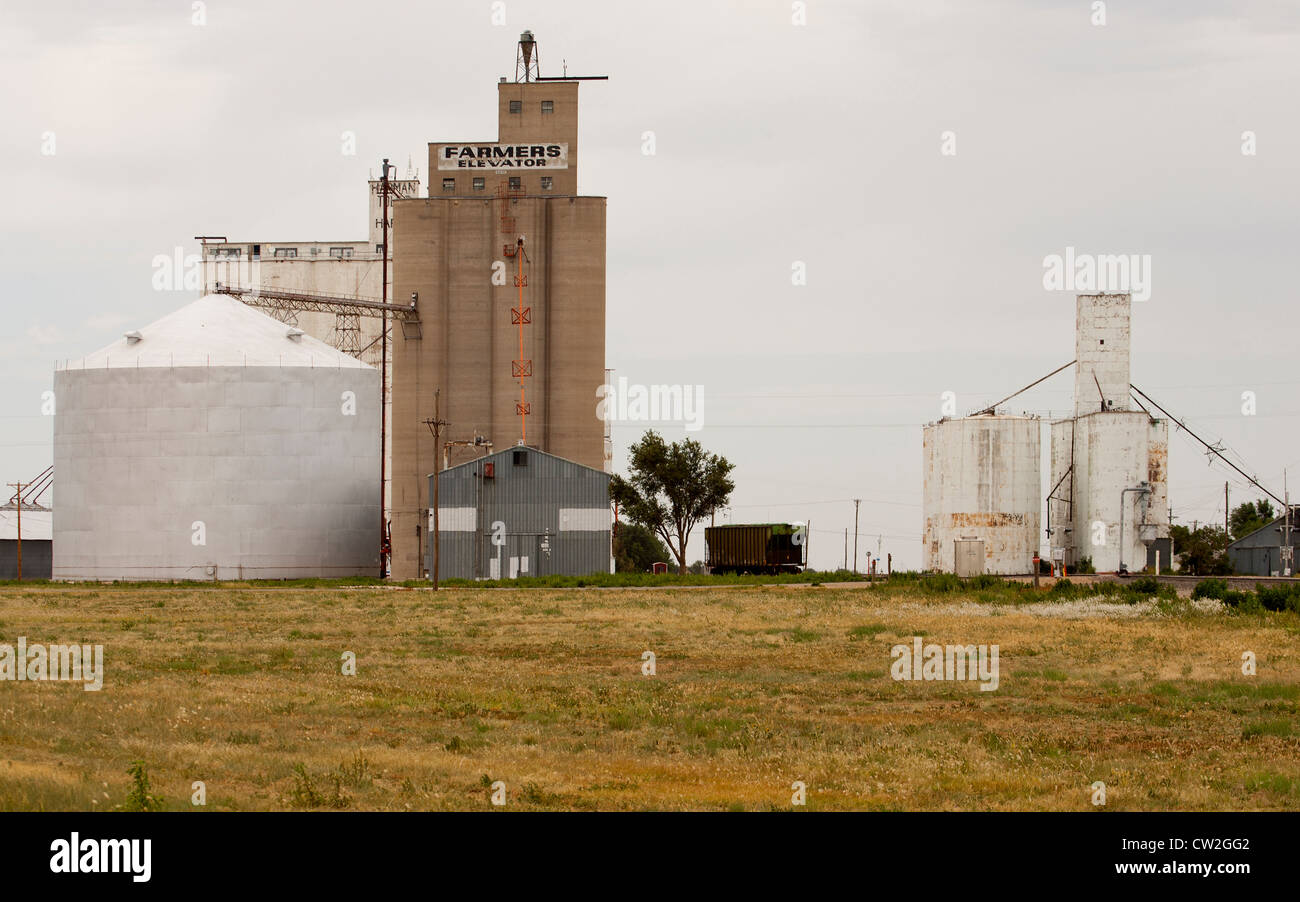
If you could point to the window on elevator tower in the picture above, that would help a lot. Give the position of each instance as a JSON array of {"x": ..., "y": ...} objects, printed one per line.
[
  {"x": 516, "y": 183},
  {"x": 516, "y": 106},
  {"x": 548, "y": 106}
]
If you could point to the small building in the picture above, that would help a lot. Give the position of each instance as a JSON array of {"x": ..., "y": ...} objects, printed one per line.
[
  {"x": 37, "y": 541},
  {"x": 1260, "y": 552},
  {"x": 521, "y": 512}
]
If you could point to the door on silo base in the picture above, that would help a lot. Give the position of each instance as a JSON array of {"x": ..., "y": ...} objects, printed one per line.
[{"x": 968, "y": 557}]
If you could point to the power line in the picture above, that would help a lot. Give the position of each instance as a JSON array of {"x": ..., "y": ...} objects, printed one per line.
[{"x": 1211, "y": 448}]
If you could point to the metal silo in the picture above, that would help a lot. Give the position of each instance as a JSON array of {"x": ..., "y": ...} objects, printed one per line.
[
  {"x": 216, "y": 443},
  {"x": 982, "y": 490}
]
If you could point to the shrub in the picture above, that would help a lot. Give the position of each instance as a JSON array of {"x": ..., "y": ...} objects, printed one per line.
[
  {"x": 1106, "y": 588},
  {"x": 305, "y": 794},
  {"x": 140, "y": 799},
  {"x": 1243, "y": 602},
  {"x": 1211, "y": 588},
  {"x": 1145, "y": 585},
  {"x": 1083, "y": 565},
  {"x": 357, "y": 772},
  {"x": 940, "y": 582},
  {"x": 1277, "y": 598}
]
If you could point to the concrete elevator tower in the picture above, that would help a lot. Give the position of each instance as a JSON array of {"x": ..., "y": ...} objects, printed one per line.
[
  {"x": 505, "y": 261},
  {"x": 1109, "y": 496}
]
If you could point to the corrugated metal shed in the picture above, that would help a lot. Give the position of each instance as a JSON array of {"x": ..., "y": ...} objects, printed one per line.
[
  {"x": 1260, "y": 553},
  {"x": 521, "y": 512}
]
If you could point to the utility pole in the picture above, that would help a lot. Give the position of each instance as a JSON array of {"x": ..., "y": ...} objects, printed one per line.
[
  {"x": 846, "y": 548},
  {"x": 18, "y": 504},
  {"x": 435, "y": 426},
  {"x": 856, "y": 503},
  {"x": 1227, "y": 534},
  {"x": 1286, "y": 552},
  {"x": 384, "y": 549},
  {"x": 1171, "y": 539}
]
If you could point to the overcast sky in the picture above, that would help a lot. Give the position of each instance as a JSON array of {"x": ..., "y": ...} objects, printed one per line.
[{"x": 774, "y": 143}]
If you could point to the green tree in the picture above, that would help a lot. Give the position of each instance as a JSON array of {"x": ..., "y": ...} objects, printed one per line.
[
  {"x": 670, "y": 488},
  {"x": 1203, "y": 552},
  {"x": 637, "y": 549},
  {"x": 1248, "y": 517}
]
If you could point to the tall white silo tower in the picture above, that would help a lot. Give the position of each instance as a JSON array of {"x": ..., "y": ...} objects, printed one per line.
[
  {"x": 216, "y": 443},
  {"x": 1110, "y": 497}
]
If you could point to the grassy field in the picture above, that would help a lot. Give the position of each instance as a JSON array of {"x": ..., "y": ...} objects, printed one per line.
[{"x": 542, "y": 689}]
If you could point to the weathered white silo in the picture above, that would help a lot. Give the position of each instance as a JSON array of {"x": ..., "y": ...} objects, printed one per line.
[
  {"x": 216, "y": 443},
  {"x": 1060, "y": 516},
  {"x": 982, "y": 483},
  {"x": 1109, "y": 463},
  {"x": 1121, "y": 488}
]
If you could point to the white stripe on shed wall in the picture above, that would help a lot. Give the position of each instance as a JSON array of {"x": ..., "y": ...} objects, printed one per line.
[
  {"x": 585, "y": 519},
  {"x": 454, "y": 519}
]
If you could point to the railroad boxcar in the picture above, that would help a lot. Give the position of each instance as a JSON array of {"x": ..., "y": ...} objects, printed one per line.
[{"x": 756, "y": 548}]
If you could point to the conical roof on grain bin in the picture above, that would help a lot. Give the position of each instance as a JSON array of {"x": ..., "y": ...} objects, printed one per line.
[{"x": 217, "y": 330}]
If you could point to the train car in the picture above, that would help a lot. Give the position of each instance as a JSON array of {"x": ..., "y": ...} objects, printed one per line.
[{"x": 757, "y": 548}]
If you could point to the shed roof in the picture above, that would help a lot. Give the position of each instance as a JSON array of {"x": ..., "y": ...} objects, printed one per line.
[
  {"x": 217, "y": 330},
  {"x": 1271, "y": 526},
  {"x": 497, "y": 455}
]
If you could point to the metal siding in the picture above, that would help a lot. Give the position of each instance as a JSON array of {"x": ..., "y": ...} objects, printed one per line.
[
  {"x": 284, "y": 481},
  {"x": 454, "y": 519},
  {"x": 737, "y": 546},
  {"x": 36, "y": 558},
  {"x": 982, "y": 481},
  {"x": 1258, "y": 554},
  {"x": 584, "y": 519},
  {"x": 528, "y": 499}
]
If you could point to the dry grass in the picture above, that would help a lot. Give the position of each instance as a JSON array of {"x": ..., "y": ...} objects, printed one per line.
[{"x": 756, "y": 688}]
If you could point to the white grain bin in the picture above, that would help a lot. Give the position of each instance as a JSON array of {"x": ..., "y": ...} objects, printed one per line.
[
  {"x": 1121, "y": 487},
  {"x": 982, "y": 483},
  {"x": 216, "y": 443}
]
